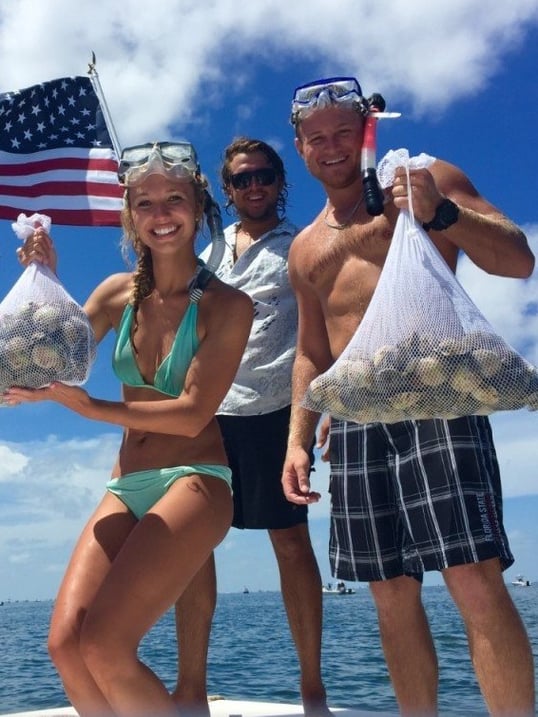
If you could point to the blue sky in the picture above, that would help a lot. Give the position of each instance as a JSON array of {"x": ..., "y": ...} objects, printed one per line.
[{"x": 463, "y": 76}]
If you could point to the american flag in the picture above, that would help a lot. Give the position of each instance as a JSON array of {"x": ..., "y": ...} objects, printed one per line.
[{"x": 56, "y": 155}]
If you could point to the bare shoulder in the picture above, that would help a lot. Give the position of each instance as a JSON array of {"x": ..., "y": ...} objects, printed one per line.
[
  {"x": 224, "y": 300},
  {"x": 303, "y": 241},
  {"x": 114, "y": 285},
  {"x": 452, "y": 180},
  {"x": 111, "y": 294}
]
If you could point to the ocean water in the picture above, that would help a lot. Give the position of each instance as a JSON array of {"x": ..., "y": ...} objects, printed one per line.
[{"x": 252, "y": 656}]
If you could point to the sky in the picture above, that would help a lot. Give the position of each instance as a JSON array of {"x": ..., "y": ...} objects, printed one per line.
[{"x": 463, "y": 75}]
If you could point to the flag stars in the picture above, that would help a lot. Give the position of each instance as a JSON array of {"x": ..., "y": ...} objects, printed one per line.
[
  {"x": 48, "y": 118},
  {"x": 56, "y": 114}
]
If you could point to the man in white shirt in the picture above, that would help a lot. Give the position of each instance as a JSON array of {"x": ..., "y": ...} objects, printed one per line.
[{"x": 254, "y": 420}]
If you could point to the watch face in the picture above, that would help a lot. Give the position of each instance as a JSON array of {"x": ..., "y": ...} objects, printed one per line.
[{"x": 447, "y": 213}]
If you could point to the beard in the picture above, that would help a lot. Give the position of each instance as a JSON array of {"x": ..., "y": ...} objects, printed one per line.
[{"x": 261, "y": 213}]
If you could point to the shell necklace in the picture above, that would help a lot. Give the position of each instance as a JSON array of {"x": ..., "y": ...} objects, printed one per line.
[{"x": 345, "y": 224}]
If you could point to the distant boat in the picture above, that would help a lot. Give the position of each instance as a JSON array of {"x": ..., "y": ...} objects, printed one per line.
[
  {"x": 338, "y": 589},
  {"x": 245, "y": 590},
  {"x": 521, "y": 582}
]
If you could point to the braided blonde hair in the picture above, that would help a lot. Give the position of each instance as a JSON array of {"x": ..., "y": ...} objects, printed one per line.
[{"x": 143, "y": 279}]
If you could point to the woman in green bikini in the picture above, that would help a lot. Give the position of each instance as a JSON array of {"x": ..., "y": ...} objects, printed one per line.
[{"x": 180, "y": 337}]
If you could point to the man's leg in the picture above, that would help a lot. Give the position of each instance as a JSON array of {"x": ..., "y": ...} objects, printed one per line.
[
  {"x": 498, "y": 642},
  {"x": 194, "y": 616},
  {"x": 301, "y": 590},
  {"x": 407, "y": 645}
]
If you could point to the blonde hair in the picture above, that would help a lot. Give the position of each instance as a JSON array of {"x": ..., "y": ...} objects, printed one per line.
[{"x": 143, "y": 279}]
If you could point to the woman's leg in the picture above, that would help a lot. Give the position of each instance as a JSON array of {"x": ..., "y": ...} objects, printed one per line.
[
  {"x": 158, "y": 560},
  {"x": 94, "y": 552}
]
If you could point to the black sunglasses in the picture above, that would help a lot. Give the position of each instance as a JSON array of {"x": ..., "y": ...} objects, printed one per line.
[{"x": 264, "y": 176}]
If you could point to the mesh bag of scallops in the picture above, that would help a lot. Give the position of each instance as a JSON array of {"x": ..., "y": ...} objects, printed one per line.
[
  {"x": 45, "y": 335},
  {"x": 423, "y": 349}
]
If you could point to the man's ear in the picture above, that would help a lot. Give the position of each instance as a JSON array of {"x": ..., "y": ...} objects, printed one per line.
[{"x": 298, "y": 146}]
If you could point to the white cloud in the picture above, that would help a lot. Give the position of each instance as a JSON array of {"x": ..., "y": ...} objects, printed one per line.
[
  {"x": 510, "y": 305},
  {"x": 177, "y": 55},
  {"x": 12, "y": 462},
  {"x": 515, "y": 440},
  {"x": 58, "y": 483}
]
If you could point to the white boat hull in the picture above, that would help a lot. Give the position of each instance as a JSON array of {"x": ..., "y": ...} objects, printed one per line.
[{"x": 225, "y": 708}]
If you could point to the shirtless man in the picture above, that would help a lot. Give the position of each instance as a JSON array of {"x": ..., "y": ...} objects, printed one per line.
[{"x": 334, "y": 266}]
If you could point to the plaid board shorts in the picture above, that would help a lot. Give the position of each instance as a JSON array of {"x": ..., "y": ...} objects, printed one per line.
[{"x": 414, "y": 496}]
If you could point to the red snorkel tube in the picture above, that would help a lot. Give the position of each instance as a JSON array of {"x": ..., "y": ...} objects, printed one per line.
[{"x": 373, "y": 194}]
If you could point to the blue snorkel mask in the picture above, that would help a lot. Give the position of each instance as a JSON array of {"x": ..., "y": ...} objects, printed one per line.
[
  {"x": 346, "y": 92},
  {"x": 339, "y": 91}
]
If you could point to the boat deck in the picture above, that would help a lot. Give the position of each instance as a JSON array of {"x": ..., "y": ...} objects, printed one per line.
[{"x": 225, "y": 708}]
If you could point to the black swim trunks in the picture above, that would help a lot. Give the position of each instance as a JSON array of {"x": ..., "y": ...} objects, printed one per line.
[
  {"x": 256, "y": 449},
  {"x": 414, "y": 496}
]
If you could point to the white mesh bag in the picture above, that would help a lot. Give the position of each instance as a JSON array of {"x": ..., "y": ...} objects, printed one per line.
[
  {"x": 45, "y": 335},
  {"x": 423, "y": 349}
]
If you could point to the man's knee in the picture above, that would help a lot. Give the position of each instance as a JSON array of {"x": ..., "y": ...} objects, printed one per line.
[
  {"x": 293, "y": 543},
  {"x": 477, "y": 587},
  {"x": 396, "y": 596}
]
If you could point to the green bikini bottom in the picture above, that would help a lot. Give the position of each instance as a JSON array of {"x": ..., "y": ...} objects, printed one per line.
[{"x": 141, "y": 490}]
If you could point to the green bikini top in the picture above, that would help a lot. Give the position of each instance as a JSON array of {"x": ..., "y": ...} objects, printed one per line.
[{"x": 170, "y": 376}]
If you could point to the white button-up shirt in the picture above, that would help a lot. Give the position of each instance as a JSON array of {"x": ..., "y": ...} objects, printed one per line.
[{"x": 263, "y": 382}]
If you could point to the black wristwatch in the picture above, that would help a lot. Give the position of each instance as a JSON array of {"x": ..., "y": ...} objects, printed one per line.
[{"x": 445, "y": 216}]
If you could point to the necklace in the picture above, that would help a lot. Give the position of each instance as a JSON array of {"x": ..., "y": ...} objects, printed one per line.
[{"x": 345, "y": 224}]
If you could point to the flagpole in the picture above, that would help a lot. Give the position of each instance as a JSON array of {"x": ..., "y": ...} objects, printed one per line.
[{"x": 94, "y": 78}]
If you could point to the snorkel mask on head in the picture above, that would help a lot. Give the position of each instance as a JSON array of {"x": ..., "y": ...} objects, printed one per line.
[
  {"x": 339, "y": 91},
  {"x": 346, "y": 92},
  {"x": 178, "y": 161}
]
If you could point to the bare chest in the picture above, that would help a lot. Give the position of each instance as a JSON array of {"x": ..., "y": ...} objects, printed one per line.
[{"x": 343, "y": 265}]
